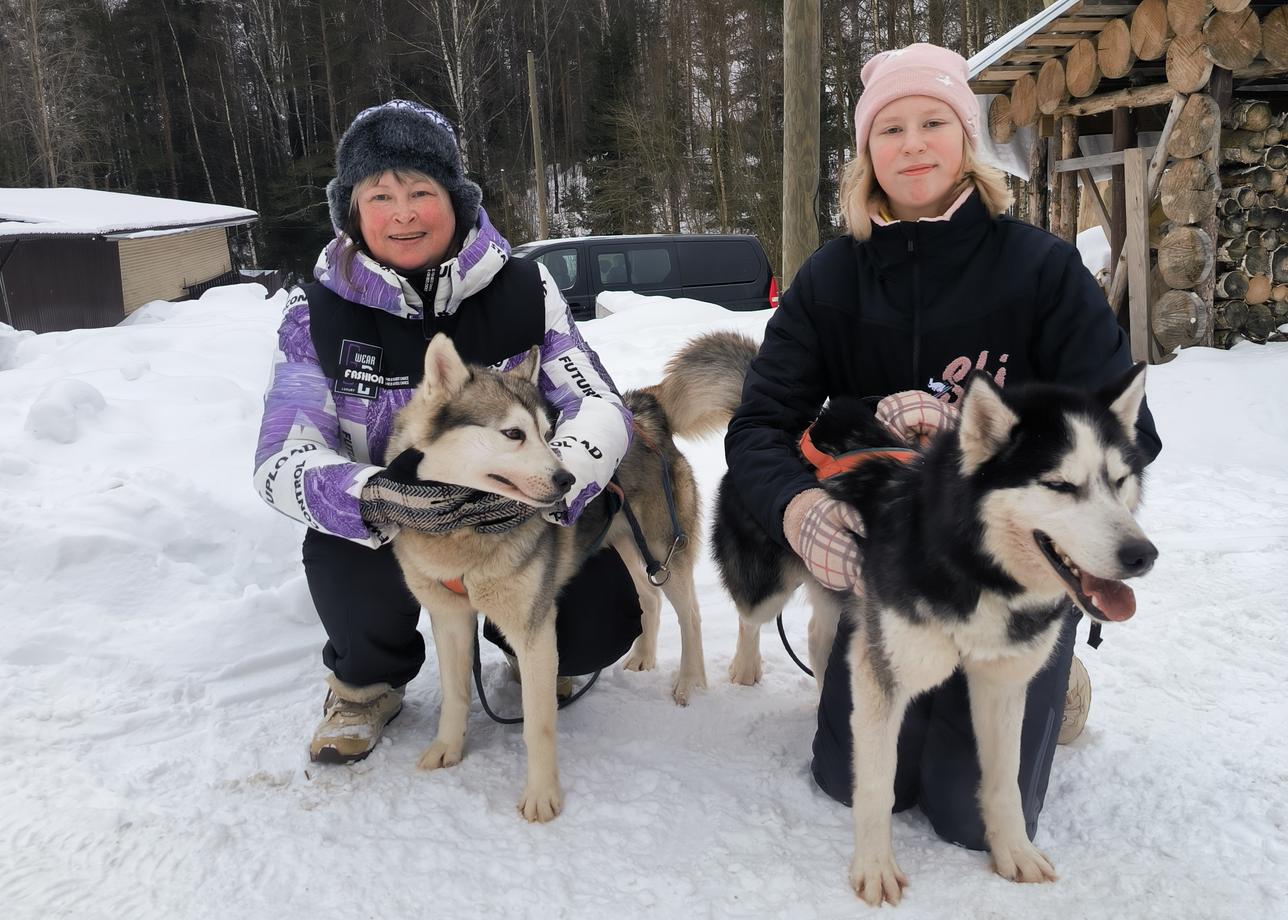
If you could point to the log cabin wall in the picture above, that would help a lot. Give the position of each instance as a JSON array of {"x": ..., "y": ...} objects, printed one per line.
[{"x": 1214, "y": 196}]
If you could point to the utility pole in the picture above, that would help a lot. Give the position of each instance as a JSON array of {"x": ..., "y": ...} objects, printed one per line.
[
  {"x": 801, "y": 90},
  {"x": 543, "y": 228}
]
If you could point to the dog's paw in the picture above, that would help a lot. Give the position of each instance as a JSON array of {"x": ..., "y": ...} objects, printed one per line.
[
  {"x": 640, "y": 661},
  {"x": 685, "y": 685},
  {"x": 877, "y": 878},
  {"x": 1021, "y": 861},
  {"x": 746, "y": 671},
  {"x": 441, "y": 754},
  {"x": 541, "y": 803}
]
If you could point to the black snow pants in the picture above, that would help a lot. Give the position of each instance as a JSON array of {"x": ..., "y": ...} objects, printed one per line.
[
  {"x": 370, "y": 616},
  {"x": 938, "y": 767}
]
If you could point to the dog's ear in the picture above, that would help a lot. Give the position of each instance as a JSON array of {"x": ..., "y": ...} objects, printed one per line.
[
  {"x": 1124, "y": 397},
  {"x": 445, "y": 372},
  {"x": 986, "y": 423},
  {"x": 530, "y": 367}
]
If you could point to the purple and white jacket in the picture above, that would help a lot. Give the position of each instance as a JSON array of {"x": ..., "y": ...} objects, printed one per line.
[{"x": 318, "y": 448}]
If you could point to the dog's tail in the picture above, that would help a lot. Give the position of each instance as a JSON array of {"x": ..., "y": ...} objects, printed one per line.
[{"x": 702, "y": 386}]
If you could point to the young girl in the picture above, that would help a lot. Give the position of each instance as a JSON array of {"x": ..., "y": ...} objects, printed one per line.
[{"x": 932, "y": 282}]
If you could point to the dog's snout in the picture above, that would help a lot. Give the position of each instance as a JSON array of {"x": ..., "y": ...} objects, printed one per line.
[
  {"x": 1137, "y": 557},
  {"x": 563, "y": 481}
]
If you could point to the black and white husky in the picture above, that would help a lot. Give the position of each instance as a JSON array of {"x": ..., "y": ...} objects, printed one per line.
[{"x": 972, "y": 554}]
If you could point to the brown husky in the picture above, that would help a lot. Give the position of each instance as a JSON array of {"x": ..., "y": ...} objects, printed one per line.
[{"x": 489, "y": 430}]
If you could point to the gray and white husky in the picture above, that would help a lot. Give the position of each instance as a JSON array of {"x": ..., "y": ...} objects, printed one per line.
[
  {"x": 972, "y": 554},
  {"x": 490, "y": 430}
]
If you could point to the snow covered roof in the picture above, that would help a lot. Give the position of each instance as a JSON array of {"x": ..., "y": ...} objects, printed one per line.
[
  {"x": 1022, "y": 50},
  {"x": 35, "y": 212}
]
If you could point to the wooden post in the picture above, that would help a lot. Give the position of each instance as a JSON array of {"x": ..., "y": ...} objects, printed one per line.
[
  {"x": 543, "y": 228},
  {"x": 1038, "y": 184},
  {"x": 1124, "y": 137},
  {"x": 1136, "y": 169},
  {"x": 802, "y": 42},
  {"x": 1069, "y": 188}
]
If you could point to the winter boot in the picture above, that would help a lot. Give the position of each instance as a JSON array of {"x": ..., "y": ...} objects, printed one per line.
[
  {"x": 563, "y": 685},
  {"x": 354, "y": 718},
  {"x": 1077, "y": 702}
]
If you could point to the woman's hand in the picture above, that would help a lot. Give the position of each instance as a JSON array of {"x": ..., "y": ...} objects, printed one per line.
[
  {"x": 915, "y": 416},
  {"x": 825, "y": 533},
  {"x": 396, "y": 497}
]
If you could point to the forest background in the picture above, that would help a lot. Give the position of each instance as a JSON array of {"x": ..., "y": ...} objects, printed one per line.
[{"x": 656, "y": 115}]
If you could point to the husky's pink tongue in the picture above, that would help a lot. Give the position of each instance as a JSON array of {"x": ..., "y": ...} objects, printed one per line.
[{"x": 1112, "y": 598}]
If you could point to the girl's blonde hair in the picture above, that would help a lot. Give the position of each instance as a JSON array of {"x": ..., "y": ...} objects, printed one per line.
[
  {"x": 860, "y": 193},
  {"x": 352, "y": 228}
]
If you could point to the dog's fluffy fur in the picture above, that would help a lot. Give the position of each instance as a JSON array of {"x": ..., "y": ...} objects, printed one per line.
[
  {"x": 971, "y": 556},
  {"x": 489, "y": 430}
]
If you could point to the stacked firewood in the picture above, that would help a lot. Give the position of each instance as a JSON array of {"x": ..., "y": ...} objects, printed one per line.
[
  {"x": 1251, "y": 296},
  {"x": 1182, "y": 281}
]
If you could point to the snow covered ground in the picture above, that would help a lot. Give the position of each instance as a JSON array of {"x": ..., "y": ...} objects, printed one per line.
[{"x": 160, "y": 675}]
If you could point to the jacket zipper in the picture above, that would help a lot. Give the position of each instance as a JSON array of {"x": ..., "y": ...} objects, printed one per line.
[
  {"x": 428, "y": 319},
  {"x": 916, "y": 309}
]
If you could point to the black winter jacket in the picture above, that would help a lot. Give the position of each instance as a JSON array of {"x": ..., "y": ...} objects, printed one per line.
[{"x": 918, "y": 306}]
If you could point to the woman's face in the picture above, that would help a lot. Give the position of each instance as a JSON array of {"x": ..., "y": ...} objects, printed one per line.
[
  {"x": 407, "y": 225},
  {"x": 916, "y": 146}
]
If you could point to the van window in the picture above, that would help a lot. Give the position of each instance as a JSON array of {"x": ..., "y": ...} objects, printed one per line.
[
  {"x": 562, "y": 265},
  {"x": 636, "y": 267},
  {"x": 717, "y": 262}
]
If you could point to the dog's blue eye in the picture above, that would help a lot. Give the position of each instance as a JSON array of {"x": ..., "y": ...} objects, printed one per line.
[
  {"x": 1066, "y": 488},
  {"x": 514, "y": 434}
]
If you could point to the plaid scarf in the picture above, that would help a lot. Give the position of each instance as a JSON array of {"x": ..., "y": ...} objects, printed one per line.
[{"x": 439, "y": 507}]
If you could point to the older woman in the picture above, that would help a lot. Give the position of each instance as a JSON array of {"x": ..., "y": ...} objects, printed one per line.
[{"x": 414, "y": 254}]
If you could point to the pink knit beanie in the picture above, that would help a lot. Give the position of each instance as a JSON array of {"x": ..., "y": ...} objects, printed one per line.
[{"x": 918, "y": 70}]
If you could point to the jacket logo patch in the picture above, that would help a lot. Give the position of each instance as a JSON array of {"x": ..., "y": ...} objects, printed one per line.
[
  {"x": 359, "y": 370},
  {"x": 950, "y": 389}
]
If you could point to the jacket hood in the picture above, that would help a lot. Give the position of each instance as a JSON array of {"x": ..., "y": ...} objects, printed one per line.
[{"x": 371, "y": 284}]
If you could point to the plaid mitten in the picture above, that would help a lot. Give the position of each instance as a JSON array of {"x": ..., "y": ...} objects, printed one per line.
[
  {"x": 915, "y": 416},
  {"x": 394, "y": 497},
  {"x": 825, "y": 533}
]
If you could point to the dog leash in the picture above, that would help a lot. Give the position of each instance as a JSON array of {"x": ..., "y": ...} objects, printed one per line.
[
  {"x": 658, "y": 572},
  {"x": 478, "y": 685},
  {"x": 825, "y": 467}
]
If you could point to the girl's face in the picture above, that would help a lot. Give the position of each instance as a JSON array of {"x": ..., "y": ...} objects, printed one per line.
[
  {"x": 407, "y": 225},
  {"x": 916, "y": 146}
]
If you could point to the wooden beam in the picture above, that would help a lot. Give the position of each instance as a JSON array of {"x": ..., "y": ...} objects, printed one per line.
[
  {"x": 1078, "y": 24},
  {"x": 1137, "y": 252},
  {"x": 1102, "y": 213},
  {"x": 1136, "y": 97},
  {"x": 1008, "y": 73},
  {"x": 1155, "y": 173},
  {"x": 1124, "y": 137},
  {"x": 1053, "y": 41},
  {"x": 1077, "y": 164}
]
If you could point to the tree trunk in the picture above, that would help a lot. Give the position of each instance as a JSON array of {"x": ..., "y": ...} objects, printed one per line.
[
  {"x": 1082, "y": 74},
  {"x": 1189, "y": 192},
  {"x": 1186, "y": 256},
  {"x": 1188, "y": 68},
  {"x": 192, "y": 113},
  {"x": 1149, "y": 30},
  {"x": 1114, "y": 51},
  {"x": 1196, "y": 127},
  {"x": 1233, "y": 39}
]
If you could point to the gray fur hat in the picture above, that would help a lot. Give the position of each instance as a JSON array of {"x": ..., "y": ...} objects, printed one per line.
[{"x": 402, "y": 135}]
